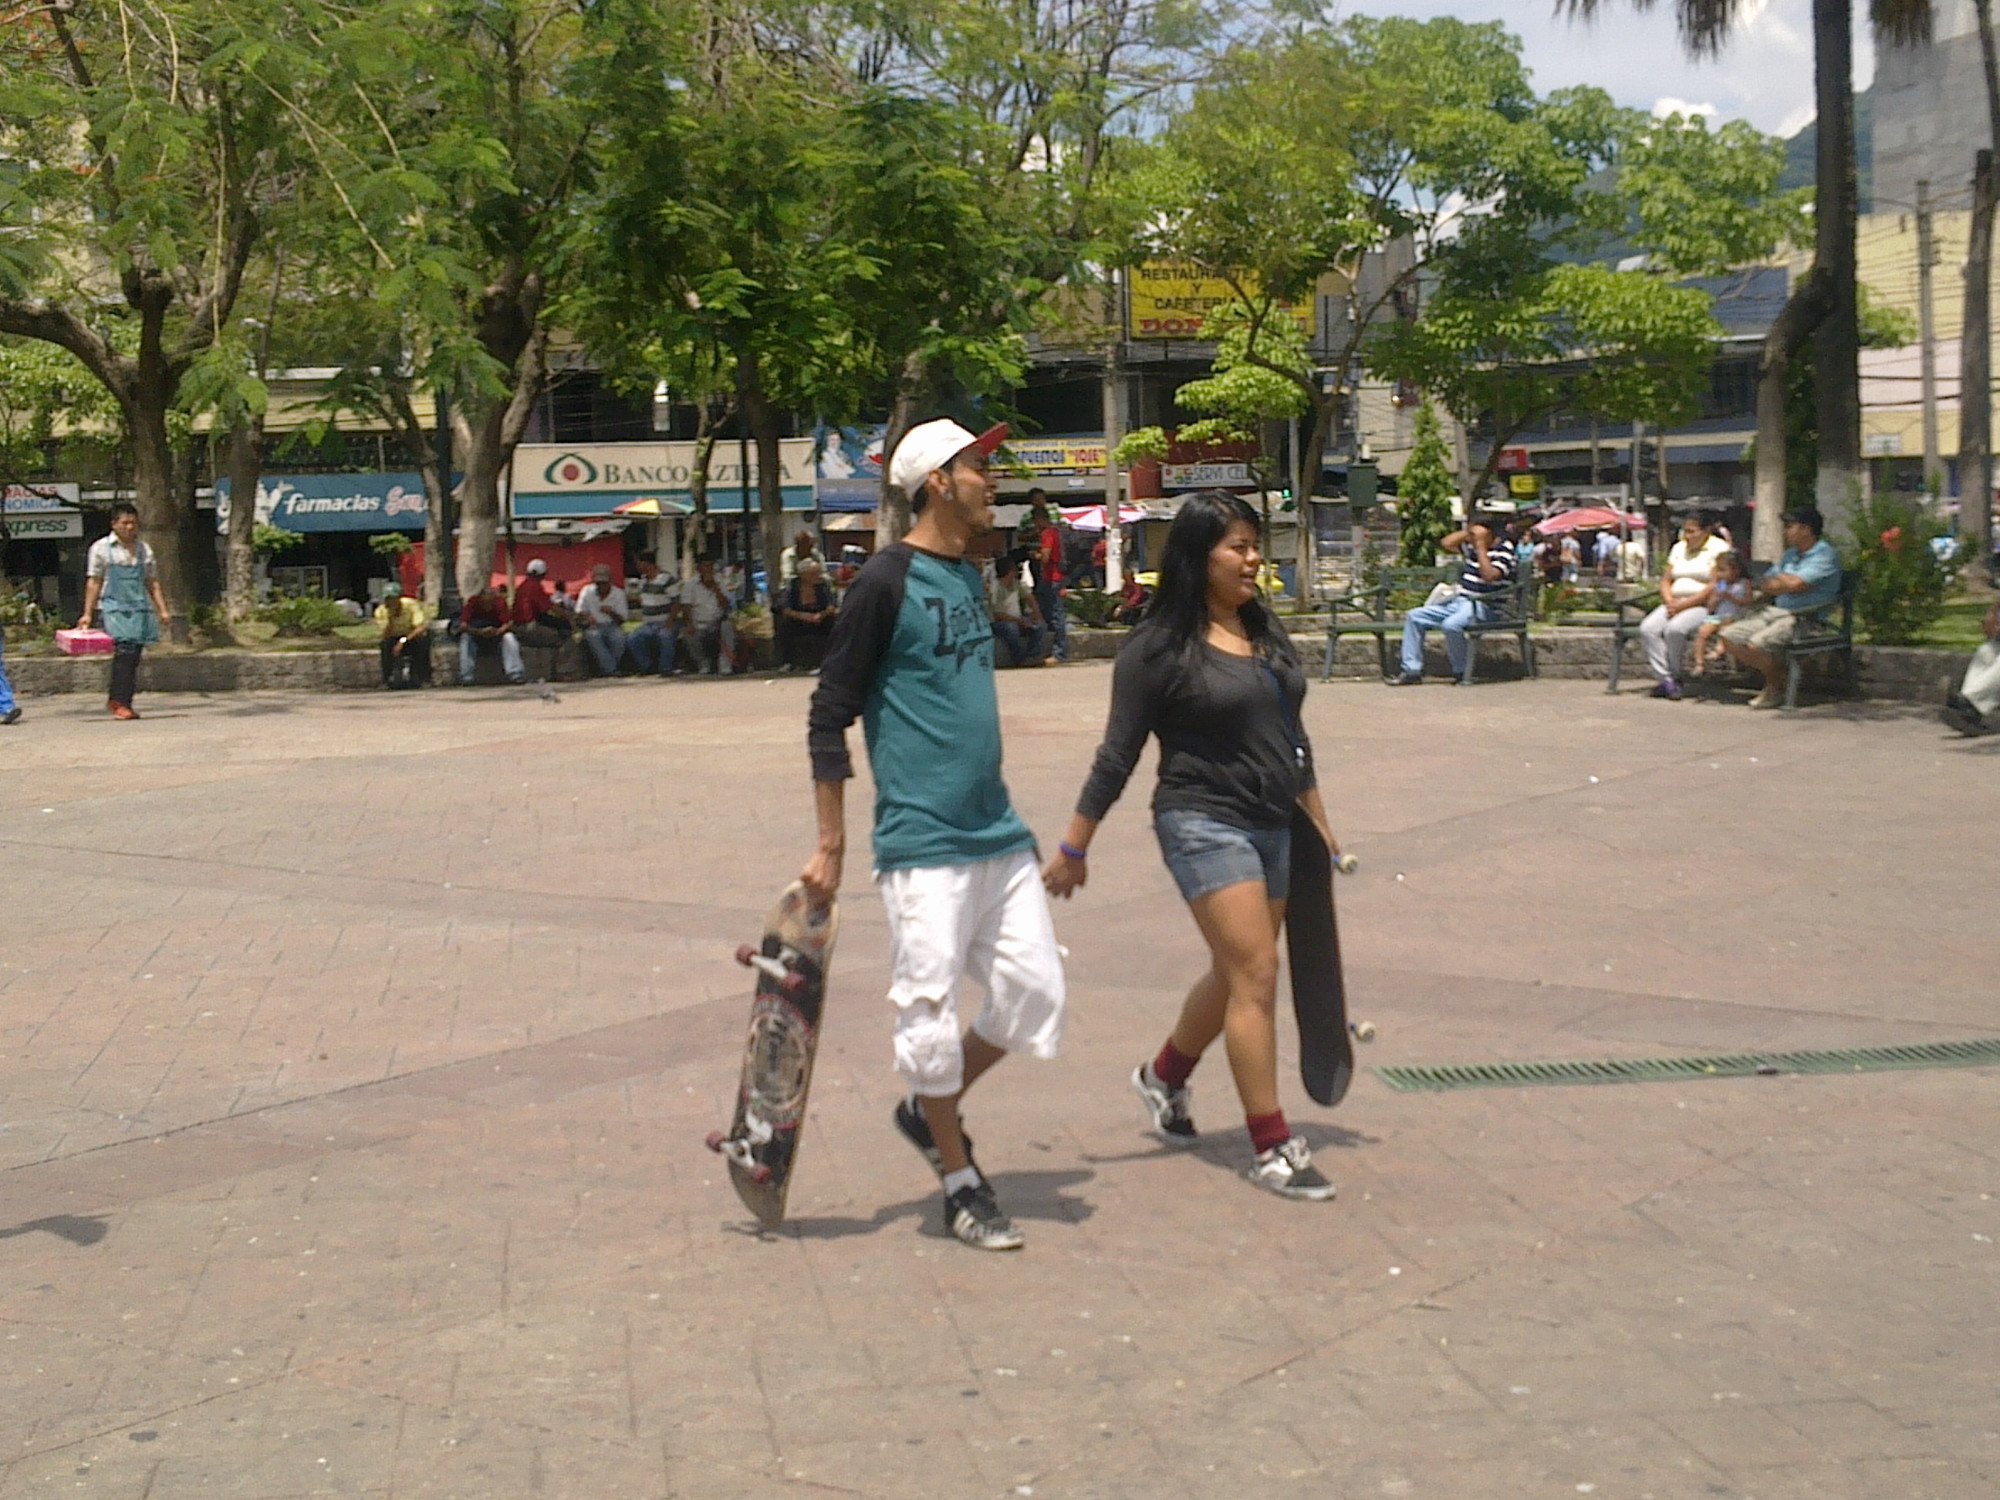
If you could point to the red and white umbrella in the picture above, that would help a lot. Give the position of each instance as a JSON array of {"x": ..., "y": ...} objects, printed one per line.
[
  {"x": 1589, "y": 518},
  {"x": 1091, "y": 517}
]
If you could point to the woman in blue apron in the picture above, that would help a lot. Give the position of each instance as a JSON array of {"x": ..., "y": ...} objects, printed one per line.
[{"x": 120, "y": 576}]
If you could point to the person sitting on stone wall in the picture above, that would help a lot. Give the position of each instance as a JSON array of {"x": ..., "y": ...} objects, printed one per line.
[
  {"x": 703, "y": 610},
  {"x": 601, "y": 610},
  {"x": 805, "y": 617},
  {"x": 483, "y": 624},
  {"x": 406, "y": 639},
  {"x": 653, "y": 644},
  {"x": 1975, "y": 707}
]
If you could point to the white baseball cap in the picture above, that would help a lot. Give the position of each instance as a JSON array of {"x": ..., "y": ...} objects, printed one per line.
[
  {"x": 536, "y": 567},
  {"x": 932, "y": 445}
]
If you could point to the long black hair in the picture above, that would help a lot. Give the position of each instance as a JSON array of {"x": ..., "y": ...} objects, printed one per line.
[{"x": 1180, "y": 604}]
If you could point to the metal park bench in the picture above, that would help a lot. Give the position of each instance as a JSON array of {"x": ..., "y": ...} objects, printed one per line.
[{"x": 1368, "y": 612}]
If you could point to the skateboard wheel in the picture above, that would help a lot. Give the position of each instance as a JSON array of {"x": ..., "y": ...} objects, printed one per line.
[
  {"x": 760, "y": 1175},
  {"x": 714, "y": 1142},
  {"x": 1364, "y": 1031},
  {"x": 744, "y": 954},
  {"x": 1347, "y": 864},
  {"x": 792, "y": 985}
]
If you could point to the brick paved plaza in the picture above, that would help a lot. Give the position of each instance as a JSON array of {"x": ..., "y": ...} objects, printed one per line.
[{"x": 358, "y": 1051}]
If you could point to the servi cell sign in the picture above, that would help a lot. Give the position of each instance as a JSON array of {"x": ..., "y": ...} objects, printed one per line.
[{"x": 1170, "y": 299}]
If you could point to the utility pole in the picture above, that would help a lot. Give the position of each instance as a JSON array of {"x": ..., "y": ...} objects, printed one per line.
[
  {"x": 1926, "y": 258},
  {"x": 1114, "y": 434}
]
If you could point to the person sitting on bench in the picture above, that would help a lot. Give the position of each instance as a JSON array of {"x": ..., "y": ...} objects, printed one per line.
[
  {"x": 1806, "y": 580},
  {"x": 1487, "y": 574},
  {"x": 1975, "y": 707}
]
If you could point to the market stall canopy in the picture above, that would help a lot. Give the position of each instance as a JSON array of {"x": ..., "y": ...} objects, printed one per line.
[
  {"x": 1589, "y": 518},
  {"x": 1091, "y": 517}
]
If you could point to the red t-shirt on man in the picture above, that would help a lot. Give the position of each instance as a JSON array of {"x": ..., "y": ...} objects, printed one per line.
[
  {"x": 1050, "y": 543},
  {"x": 531, "y": 599}
]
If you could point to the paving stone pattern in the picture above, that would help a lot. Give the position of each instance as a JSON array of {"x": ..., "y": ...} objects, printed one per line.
[{"x": 356, "y": 1051}]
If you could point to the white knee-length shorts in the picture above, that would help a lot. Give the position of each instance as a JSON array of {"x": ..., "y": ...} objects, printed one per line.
[{"x": 988, "y": 922}]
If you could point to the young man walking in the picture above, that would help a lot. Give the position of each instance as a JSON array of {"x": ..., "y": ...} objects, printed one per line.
[
  {"x": 121, "y": 575},
  {"x": 912, "y": 656}
]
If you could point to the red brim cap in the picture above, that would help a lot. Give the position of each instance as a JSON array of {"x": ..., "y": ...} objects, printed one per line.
[{"x": 991, "y": 438}]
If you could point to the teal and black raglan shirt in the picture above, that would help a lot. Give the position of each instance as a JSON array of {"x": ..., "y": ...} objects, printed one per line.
[{"x": 912, "y": 657}]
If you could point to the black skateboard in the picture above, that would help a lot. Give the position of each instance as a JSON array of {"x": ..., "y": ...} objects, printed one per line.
[
  {"x": 762, "y": 1142},
  {"x": 1319, "y": 989}
]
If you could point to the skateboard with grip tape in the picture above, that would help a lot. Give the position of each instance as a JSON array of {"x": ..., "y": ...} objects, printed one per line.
[
  {"x": 762, "y": 1143},
  {"x": 1312, "y": 949}
]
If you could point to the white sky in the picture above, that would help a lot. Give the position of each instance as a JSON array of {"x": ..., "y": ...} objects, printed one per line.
[{"x": 1764, "y": 74}]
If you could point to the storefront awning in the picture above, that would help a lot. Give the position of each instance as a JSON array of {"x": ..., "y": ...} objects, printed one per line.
[{"x": 721, "y": 505}]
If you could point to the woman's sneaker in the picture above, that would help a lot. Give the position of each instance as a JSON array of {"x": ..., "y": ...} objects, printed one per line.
[
  {"x": 974, "y": 1218},
  {"x": 1287, "y": 1170},
  {"x": 915, "y": 1129},
  {"x": 1171, "y": 1109}
]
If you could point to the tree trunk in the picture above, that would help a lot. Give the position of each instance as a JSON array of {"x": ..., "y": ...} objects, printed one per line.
[
  {"x": 1837, "y": 342},
  {"x": 1802, "y": 313},
  {"x": 1975, "y": 378},
  {"x": 478, "y": 435},
  {"x": 1977, "y": 527},
  {"x": 1305, "y": 466},
  {"x": 764, "y": 432},
  {"x": 245, "y": 460},
  {"x": 158, "y": 505},
  {"x": 892, "y": 515}
]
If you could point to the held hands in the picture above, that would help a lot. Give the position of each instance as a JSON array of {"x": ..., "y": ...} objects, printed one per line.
[{"x": 1064, "y": 873}]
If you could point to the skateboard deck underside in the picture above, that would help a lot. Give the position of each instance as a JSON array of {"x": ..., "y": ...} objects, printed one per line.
[
  {"x": 1319, "y": 989},
  {"x": 762, "y": 1143}
]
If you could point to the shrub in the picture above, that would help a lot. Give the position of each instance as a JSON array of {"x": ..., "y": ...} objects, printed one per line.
[
  {"x": 389, "y": 544},
  {"x": 1424, "y": 492},
  {"x": 304, "y": 614},
  {"x": 1090, "y": 608},
  {"x": 269, "y": 541},
  {"x": 1901, "y": 583}
]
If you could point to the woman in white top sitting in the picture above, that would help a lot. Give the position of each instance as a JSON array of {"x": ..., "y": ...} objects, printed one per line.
[{"x": 1684, "y": 597}]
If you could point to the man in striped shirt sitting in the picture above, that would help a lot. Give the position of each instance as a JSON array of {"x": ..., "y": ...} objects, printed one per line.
[{"x": 1487, "y": 574}]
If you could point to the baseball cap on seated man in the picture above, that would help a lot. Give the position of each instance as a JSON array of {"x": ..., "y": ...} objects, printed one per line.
[
  {"x": 536, "y": 567},
  {"x": 932, "y": 445}
]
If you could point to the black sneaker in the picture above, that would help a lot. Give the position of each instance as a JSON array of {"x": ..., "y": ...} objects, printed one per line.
[
  {"x": 1287, "y": 1170},
  {"x": 1407, "y": 679},
  {"x": 974, "y": 1218},
  {"x": 917, "y": 1131},
  {"x": 1959, "y": 713},
  {"x": 1171, "y": 1109},
  {"x": 12, "y": 716}
]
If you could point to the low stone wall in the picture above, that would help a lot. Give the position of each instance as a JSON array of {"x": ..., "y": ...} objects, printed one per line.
[
  {"x": 1902, "y": 674},
  {"x": 1905, "y": 674}
]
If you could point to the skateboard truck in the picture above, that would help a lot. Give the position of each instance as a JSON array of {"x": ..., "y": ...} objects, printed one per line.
[{"x": 772, "y": 969}]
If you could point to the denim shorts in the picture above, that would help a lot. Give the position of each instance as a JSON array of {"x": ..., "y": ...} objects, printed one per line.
[{"x": 1205, "y": 854}]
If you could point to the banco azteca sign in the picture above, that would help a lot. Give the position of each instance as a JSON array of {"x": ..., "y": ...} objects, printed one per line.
[{"x": 664, "y": 468}]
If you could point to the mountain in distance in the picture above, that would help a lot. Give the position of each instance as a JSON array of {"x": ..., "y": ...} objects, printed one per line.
[{"x": 1801, "y": 150}]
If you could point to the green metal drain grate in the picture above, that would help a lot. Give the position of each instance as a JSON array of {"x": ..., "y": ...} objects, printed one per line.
[{"x": 1501, "y": 1075}]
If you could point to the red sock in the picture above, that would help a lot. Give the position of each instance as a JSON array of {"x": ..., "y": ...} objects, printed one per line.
[
  {"x": 1267, "y": 1131},
  {"x": 1172, "y": 1066}
]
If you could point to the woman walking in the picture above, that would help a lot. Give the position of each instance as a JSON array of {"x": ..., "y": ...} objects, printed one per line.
[
  {"x": 119, "y": 574},
  {"x": 1684, "y": 601},
  {"x": 1213, "y": 675}
]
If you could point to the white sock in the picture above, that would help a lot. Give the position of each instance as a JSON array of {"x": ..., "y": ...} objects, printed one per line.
[{"x": 964, "y": 1177}]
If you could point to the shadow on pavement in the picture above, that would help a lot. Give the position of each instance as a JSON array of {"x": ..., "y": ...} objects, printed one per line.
[
  {"x": 75, "y": 1228},
  {"x": 1024, "y": 1195}
]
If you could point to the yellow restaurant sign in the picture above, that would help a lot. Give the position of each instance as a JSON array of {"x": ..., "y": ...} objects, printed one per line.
[{"x": 1169, "y": 299}]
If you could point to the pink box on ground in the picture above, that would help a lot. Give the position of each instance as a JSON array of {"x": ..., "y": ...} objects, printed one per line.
[{"x": 83, "y": 643}]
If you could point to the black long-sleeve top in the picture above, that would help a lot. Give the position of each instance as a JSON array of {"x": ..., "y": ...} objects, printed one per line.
[{"x": 1230, "y": 747}]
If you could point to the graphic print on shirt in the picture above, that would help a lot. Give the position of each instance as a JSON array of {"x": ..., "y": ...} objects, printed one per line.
[{"x": 963, "y": 630}]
